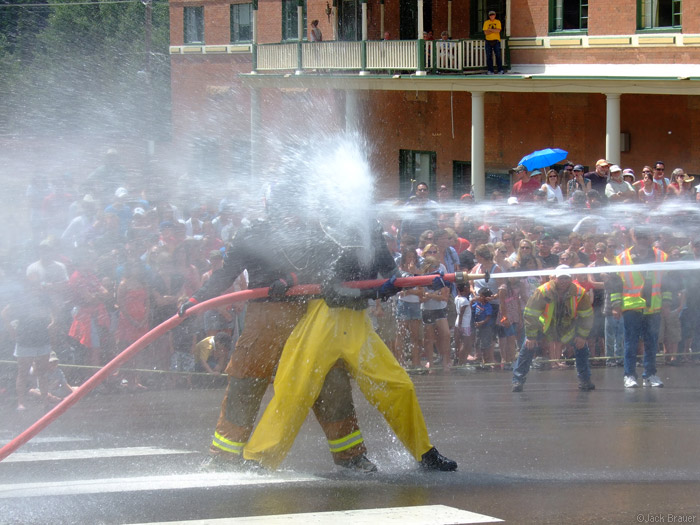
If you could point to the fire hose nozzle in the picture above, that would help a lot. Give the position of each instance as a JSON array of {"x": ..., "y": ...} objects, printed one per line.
[{"x": 463, "y": 277}]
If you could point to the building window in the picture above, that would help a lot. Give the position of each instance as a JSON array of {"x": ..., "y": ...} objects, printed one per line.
[
  {"x": 241, "y": 22},
  {"x": 290, "y": 20},
  {"x": 480, "y": 14},
  {"x": 194, "y": 25},
  {"x": 416, "y": 166},
  {"x": 653, "y": 14},
  {"x": 568, "y": 15}
]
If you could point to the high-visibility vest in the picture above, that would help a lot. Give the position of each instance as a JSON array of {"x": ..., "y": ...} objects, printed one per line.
[
  {"x": 633, "y": 284},
  {"x": 574, "y": 300},
  {"x": 546, "y": 315}
]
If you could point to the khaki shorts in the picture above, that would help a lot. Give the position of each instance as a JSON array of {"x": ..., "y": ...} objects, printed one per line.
[{"x": 670, "y": 330}]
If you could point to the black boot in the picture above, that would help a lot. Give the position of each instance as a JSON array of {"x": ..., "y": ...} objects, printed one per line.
[{"x": 433, "y": 460}]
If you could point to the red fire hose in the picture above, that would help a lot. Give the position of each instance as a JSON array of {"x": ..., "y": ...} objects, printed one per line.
[{"x": 171, "y": 323}]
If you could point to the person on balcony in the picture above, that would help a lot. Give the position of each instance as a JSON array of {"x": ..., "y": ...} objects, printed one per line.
[
  {"x": 315, "y": 33},
  {"x": 492, "y": 33}
]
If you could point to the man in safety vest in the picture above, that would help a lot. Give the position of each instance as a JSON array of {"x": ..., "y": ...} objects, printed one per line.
[
  {"x": 640, "y": 305},
  {"x": 559, "y": 311}
]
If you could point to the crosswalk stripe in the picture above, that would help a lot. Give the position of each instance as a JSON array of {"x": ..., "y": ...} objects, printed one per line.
[
  {"x": 144, "y": 483},
  {"x": 46, "y": 439},
  {"x": 421, "y": 515},
  {"x": 91, "y": 453}
]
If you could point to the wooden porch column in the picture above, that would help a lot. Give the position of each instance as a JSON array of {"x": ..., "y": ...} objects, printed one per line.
[
  {"x": 449, "y": 18},
  {"x": 381, "y": 19},
  {"x": 478, "y": 170}
]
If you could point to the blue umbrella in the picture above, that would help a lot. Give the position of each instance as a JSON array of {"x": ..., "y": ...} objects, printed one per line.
[{"x": 543, "y": 157}]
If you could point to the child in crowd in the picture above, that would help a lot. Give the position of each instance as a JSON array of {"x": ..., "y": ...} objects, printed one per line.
[
  {"x": 482, "y": 314},
  {"x": 463, "y": 329},
  {"x": 57, "y": 383},
  {"x": 510, "y": 322},
  {"x": 212, "y": 353}
]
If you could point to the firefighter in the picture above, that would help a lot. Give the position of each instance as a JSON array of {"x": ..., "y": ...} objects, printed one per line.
[
  {"x": 557, "y": 312},
  {"x": 338, "y": 327},
  {"x": 277, "y": 252},
  {"x": 640, "y": 305}
]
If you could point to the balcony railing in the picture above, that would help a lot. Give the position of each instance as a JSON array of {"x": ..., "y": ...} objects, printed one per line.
[{"x": 451, "y": 56}]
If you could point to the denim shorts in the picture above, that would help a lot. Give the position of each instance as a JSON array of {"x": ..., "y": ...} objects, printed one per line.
[
  {"x": 506, "y": 331},
  {"x": 406, "y": 311},
  {"x": 430, "y": 316}
]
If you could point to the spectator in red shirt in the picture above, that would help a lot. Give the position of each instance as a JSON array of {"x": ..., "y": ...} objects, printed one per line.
[{"x": 525, "y": 188}]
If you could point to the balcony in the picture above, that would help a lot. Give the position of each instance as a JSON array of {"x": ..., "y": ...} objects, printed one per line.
[{"x": 375, "y": 57}]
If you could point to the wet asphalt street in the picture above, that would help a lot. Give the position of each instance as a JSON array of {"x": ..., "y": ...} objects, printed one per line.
[{"x": 551, "y": 454}]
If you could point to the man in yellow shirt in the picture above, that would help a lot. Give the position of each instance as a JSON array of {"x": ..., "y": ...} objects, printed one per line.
[
  {"x": 492, "y": 32},
  {"x": 212, "y": 353}
]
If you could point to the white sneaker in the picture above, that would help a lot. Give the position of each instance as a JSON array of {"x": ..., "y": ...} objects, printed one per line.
[
  {"x": 653, "y": 381},
  {"x": 630, "y": 382}
]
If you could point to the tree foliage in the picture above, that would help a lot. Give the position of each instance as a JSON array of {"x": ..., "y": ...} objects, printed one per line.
[{"x": 85, "y": 68}]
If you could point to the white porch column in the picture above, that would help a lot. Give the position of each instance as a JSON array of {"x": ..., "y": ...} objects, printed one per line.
[
  {"x": 507, "y": 28},
  {"x": 254, "y": 22},
  {"x": 300, "y": 19},
  {"x": 334, "y": 20},
  {"x": 364, "y": 20},
  {"x": 420, "y": 20},
  {"x": 478, "y": 170},
  {"x": 351, "y": 124},
  {"x": 612, "y": 127},
  {"x": 255, "y": 132}
]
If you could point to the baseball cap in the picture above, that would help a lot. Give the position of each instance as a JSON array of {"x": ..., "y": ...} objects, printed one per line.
[
  {"x": 492, "y": 13},
  {"x": 562, "y": 270},
  {"x": 615, "y": 168},
  {"x": 121, "y": 192},
  {"x": 519, "y": 168},
  {"x": 512, "y": 200},
  {"x": 602, "y": 162},
  {"x": 579, "y": 167},
  {"x": 536, "y": 172}
]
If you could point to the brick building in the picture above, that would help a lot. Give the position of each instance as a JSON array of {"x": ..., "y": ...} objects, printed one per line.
[{"x": 600, "y": 79}]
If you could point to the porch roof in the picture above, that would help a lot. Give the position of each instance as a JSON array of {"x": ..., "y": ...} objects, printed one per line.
[{"x": 514, "y": 82}]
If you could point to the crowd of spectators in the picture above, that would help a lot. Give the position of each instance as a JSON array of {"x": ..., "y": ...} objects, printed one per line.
[
  {"x": 108, "y": 261},
  {"x": 576, "y": 219}
]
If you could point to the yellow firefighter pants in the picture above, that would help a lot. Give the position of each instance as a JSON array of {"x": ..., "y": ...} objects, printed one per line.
[
  {"x": 253, "y": 362},
  {"x": 321, "y": 338}
]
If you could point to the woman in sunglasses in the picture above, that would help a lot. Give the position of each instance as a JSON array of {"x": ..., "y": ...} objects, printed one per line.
[{"x": 552, "y": 188}]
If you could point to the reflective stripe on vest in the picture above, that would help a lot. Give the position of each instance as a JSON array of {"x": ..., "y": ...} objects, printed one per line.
[{"x": 633, "y": 283}]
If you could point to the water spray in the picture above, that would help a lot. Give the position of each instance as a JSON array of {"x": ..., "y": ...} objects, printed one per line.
[{"x": 302, "y": 290}]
